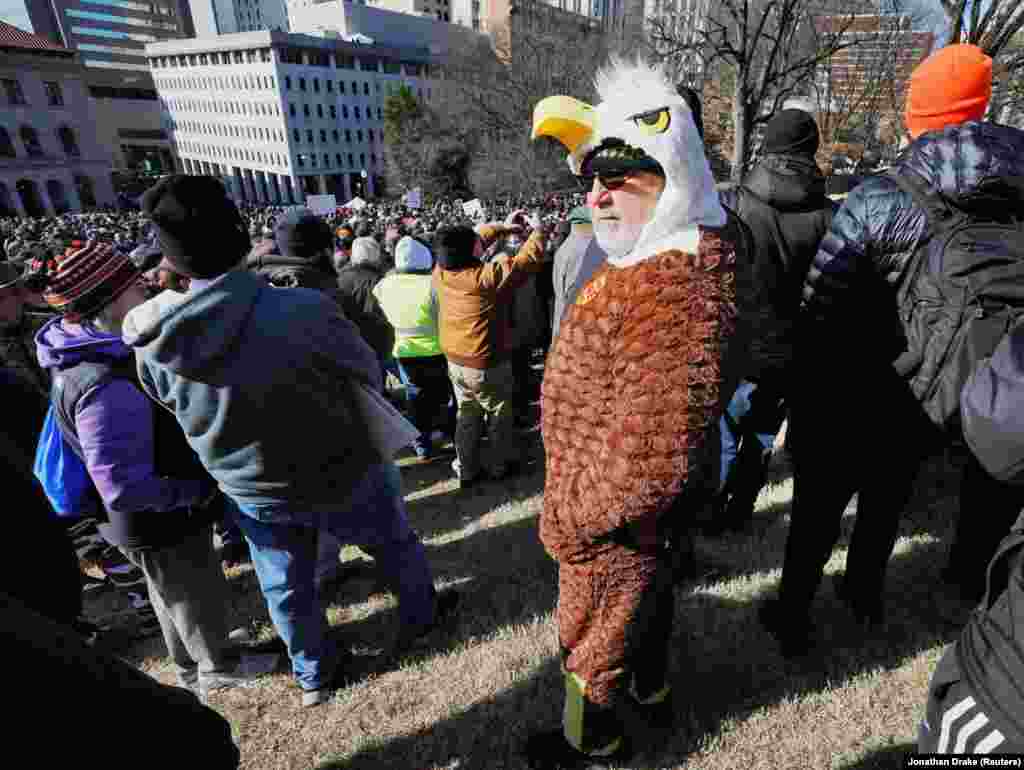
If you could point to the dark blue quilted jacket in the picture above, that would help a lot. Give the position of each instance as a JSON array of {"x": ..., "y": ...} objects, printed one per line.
[{"x": 851, "y": 285}]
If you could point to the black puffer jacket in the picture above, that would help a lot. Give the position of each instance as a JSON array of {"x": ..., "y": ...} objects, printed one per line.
[
  {"x": 851, "y": 286},
  {"x": 783, "y": 198}
]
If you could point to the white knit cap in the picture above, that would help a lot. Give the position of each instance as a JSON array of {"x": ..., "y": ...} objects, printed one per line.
[
  {"x": 365, "y": 251},
  {"x": 412, "y": 255}
]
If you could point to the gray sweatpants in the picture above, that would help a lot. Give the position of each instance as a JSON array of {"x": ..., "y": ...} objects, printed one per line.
[{"x": 189, "y": 594}]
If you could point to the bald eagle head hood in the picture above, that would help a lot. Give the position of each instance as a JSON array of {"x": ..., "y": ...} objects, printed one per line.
[{"x": 641, "y": 123}]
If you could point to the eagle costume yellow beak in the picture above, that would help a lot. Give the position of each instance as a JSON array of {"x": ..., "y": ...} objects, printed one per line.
[{"x": 568, "y": 120}]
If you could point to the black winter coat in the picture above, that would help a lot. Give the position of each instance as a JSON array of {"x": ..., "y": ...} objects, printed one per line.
[
  {"x": 782, "y": 199},
  {"x": 850, "y": 289},
  {"x": 355, "y": 295}
]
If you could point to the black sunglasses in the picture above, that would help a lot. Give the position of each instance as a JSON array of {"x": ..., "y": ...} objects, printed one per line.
[{"x": 608, "y": 181}]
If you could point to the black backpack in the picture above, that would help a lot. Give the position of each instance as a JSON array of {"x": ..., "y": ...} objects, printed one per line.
[{"x": 962, "y": 291}]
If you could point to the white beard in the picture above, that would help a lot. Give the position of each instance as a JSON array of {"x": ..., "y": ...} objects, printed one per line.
[{"x": 615, "y": 238}]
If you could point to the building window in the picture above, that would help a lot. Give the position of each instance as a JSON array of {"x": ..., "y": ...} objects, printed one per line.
[
  {"x": 334, "y": 135},
  {"x": 362, "y": 159},
  {"x": 316, "y": 85},
  {"x": 334, "y": 112},
  {"x": 370, "y": 133},
  {"x": 348, "y": 136},
  {"x": 341, "y": 86},
  {"x": 344, "y": 111},
  {"x": 287, "y": 83},
  {"x": 302, "y": 84},
  {"x": 359, "y": 135},
  {"x": 350, "y": 161},
  {"x": 30, "y": 138},
  {"x": 380, "y": 114},
  {"x": 337, "y": 158},
  {"x": 366, "y": 89},
  {"x": 355, "y": 88},
  {"x": 291, "y": 109},
  {"x": 327, "y": 160},
  {"x": 312, "y": 159},
  {"x": 301, "y": 163},
  {"x": 330, "y": 86},
  {"x": 296, "y": 135},
  {"x": 309, "y": 135},
  {"x": 319, "y": 110},
  {"x": 373, "y": 159},
  {"x": 13, "y": 92},
  {"x": 355, "y": 112},
  {"x": 53, "y": 94}
]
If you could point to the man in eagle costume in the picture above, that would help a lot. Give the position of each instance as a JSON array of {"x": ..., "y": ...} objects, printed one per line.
[{"x": 631, "y": 389}]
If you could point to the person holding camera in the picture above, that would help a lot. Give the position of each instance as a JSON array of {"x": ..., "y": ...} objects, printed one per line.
[{"x": 475, "y": 337}]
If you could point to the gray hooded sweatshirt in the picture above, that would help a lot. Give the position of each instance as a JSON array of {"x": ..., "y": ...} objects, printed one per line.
[{"x": 260, "y": 380}]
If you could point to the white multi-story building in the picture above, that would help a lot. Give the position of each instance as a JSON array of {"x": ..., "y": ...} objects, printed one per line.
[
  {"x": 278, "y": 116},
  {"x": 51, "y": 161}
]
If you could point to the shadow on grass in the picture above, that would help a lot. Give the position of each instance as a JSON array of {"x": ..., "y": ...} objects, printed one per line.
[
  {"x": 886, "y": 758},
  {"x": 720, "y": 652},
  {"x": 502, "y": 574}
]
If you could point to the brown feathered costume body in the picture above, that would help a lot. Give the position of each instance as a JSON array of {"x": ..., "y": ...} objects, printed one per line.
[{"x": 631, "y": 387}]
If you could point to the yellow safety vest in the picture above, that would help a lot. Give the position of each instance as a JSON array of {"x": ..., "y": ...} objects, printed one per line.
[{"x": 406, "y": 300}]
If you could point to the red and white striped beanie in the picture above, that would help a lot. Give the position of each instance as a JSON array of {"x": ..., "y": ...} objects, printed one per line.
[{"x": 86, "y": 278}]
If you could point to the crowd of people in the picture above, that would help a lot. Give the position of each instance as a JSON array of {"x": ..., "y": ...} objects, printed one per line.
[{"x": 196, "y": 366}]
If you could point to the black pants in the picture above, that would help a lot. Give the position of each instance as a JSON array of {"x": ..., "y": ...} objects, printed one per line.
[
  {"x": 429, "y": 376},
  {"x": 868, "y": 440},
  {"x": 987, "y": 510}
]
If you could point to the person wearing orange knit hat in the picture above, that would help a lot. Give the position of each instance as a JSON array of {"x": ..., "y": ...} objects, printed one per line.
[
  {"x": 852, "y": 370},
  {"x": 952, "y": 86}
]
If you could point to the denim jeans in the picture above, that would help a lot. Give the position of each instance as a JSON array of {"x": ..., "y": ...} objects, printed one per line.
[
  {"x": 753, "y": 418},
  {"x": 283, "y": 542}
]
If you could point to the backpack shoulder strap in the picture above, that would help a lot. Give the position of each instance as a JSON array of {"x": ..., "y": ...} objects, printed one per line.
[
  {"x": 925, "y": 196},
  {"x": 998, "y": 570}
]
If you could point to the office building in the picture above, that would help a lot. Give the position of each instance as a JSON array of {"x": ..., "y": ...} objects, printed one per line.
[{"x": 279, "y": 116}]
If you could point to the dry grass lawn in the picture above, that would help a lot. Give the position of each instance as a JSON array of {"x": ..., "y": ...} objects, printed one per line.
[{"x": 469, "y": 698}]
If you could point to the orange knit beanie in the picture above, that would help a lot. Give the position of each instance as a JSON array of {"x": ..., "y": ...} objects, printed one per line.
[{"x": 953, "y": 85}]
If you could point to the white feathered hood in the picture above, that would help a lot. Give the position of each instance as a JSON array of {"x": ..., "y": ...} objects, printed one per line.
[{"x": 641, "y": 116}]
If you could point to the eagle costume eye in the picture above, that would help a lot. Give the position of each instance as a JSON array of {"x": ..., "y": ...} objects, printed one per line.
[{"x": 653, "y": 122}]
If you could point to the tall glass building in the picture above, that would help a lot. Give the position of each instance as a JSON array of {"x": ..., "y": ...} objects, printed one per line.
[{"x": 111, "y": 34}]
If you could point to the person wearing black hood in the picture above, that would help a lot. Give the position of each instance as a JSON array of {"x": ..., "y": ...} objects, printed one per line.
[
  {"x": 783, "y": 204},
  {"x": 302, "y": 259}
]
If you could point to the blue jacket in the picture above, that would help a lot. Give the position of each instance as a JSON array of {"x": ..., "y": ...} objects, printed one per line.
[
  {"x": 851, "y": 285},
  {"x": 258, "y": 378}
]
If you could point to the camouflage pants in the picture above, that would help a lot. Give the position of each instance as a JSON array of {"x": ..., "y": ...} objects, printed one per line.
[{"x": 484, "y": 394}]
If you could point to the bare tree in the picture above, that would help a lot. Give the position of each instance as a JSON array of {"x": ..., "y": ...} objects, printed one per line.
[
  {"x": 770, "y": 49},
  {"x": 991, "y": 25},
  {"x": 995, "y": 27},
  {"x": 492, "y": 92},
  {"x": 859, "y": 91}
]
